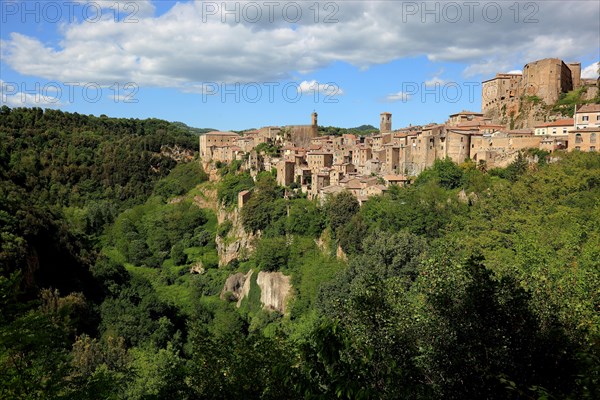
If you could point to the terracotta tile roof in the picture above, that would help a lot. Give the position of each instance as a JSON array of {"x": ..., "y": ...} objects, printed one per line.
[
  {"x": 560, "y": 122},
  {"x": 219, "y": 133},
  {"x": 586, "y": 108}
]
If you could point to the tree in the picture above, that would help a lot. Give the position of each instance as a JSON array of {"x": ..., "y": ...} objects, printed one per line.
[
  {"x": 304, "y": 218},
  {"x": 272, "y": 254},
  {"x": 339, "y": 209},
  {"x": 263, "y": 207}
]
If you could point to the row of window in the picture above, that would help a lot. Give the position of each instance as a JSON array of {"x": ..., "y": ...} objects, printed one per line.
[
  {"x": 579, "y": 138},
  {"x": 592, "y": 148},
  {"x": 586, "y": 118}
]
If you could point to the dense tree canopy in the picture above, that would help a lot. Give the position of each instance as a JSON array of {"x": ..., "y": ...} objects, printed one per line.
[{"x": 468, "y": 284}]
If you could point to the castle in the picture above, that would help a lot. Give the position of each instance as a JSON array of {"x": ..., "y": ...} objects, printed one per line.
[{"x": 541, "y": 81}]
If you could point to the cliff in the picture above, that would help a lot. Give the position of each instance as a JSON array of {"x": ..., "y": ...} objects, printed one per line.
[
  {"x": 237, "y": 244},
  {"x": 275, "y": 289}
]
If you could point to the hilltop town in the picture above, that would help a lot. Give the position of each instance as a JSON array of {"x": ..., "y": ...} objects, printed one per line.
[{"x": 514, "y": 117}]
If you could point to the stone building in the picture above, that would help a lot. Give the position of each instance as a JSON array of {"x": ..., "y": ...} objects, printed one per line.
[
  {"x": 559, "y": 127},
  {"x": 544, "y": 80},
  {"x": 285, "y": 172},
  {"x": 587, "y": 116},
  {"x": 215, "y": 146},
  {"x": 318, "y": 160},
  {"x": 301, "y": 135},
  {"x": 547, "y": 79},
  {"x": 584, "y": 139},
  {"x": 385, "y": 122}
]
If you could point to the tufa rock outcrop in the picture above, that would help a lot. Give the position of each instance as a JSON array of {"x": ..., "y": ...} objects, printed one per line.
[
  {"x": 274, "y": 290},
  {"x": 237, "y": 286},
  {"x": 237, "y": 244}
]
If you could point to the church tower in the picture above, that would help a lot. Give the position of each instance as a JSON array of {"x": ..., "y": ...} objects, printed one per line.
[{"x": 385, "y": 123}]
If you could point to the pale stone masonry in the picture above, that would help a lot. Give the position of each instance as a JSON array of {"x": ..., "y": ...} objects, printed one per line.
[{"x": 366, "y": 165}]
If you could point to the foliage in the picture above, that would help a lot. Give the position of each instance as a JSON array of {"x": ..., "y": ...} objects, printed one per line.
[
  {"x": 232, "y": 184},
  {"x": 468, "y": 284},
  {"x": 146, "y": 234},
  {"x": 180, "y": 180},
  {"x": 268, "y": 149},
  {"x": 445, "y": 172},
  {"x": 72, "y": 159},
  {"x": 339, "y": 209},
  {"x": 272, "y": 254},
  {"x": 263, "y": 208},
  {"x": 224, "y": 228},
  {"x": 362, "y": 130},
  {"x": 305, "y": 218}
]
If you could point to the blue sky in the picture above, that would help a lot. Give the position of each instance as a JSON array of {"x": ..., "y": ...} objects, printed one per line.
[{"x": 257, "y": 63}]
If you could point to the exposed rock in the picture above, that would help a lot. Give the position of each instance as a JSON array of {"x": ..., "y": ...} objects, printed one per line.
[
  {"x": 274, "y": 290},
  {"x": 197, "y": 268},
  {"x": 591, "y": 93},
  {"x": 207, "y": 199},
  {"x": 341, "y": 254},
  {"x": 177, "y": 153},
  {"x": 176, "y": 200},
  {"x": 211, "y": 171},
  {"x": 465, "y": 198},
  {"x": 238, "y": 244},
  {"x": 237, "y": 286}
]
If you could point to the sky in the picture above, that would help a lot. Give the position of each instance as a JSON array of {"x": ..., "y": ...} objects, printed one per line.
[{"x": 246, "y": 64}]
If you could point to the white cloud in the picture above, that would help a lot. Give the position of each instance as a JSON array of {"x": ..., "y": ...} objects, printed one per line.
[
  {"x": 189, "y": 44},
  {"x": 398, "y": 96},
  {"x": 591, "y": 71},
  {"x": 435, "y": 81},
  {"x": 515, "y": 71},
  {"x": 328, "y": 89}
]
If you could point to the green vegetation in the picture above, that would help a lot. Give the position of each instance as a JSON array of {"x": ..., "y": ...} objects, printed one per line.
[
  {"x": 568, "y": 101},
  {"x": 362, "y": 130},
  {"x": 533, "y": 99},
  {"x": 467, "y": 284},
  {"x": 231, "y": 185},
  {"x": 268, "y": 149}
]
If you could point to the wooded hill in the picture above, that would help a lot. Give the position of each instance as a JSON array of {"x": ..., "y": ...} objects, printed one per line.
[{"x": 467, "y": 284}]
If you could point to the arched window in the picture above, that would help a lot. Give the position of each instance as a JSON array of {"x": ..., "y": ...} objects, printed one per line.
[{"x": 578, "y": 138}]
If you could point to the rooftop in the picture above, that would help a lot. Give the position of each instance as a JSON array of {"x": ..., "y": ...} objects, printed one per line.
[{"x": 586, "y": 108}]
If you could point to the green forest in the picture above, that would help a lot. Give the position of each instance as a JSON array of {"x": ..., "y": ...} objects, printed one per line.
[{"x": 468, "y": 284}]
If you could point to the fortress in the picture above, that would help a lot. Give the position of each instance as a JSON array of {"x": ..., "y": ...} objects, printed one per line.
[{"x": 541, "y": 81}]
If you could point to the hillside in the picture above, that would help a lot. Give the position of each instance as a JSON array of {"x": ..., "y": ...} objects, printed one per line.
[{"x": 125, "y": 273}]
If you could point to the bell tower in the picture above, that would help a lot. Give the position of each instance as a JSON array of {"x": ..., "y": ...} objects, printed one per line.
[{"x": 385, "y": 122}]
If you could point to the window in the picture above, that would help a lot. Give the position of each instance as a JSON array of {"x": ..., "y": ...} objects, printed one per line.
[
  {"x": 577, "y": 148},
  {"x": 578, "y": 138},
  {"x": 593, "y": 137},
  {"x": 592, "y": 148},
  {"x": 565, "y": 130},
  {"x": 585, "y": 118}
]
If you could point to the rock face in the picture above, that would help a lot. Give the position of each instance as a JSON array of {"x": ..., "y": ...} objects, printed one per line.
[
  {"x": 197, "y": 268},
  {"x": 274, "y": 290},
  {"x": 274, "y": 287},
  {"x": 238, "y": 286},
  {"x": 238, "y": 243}
]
